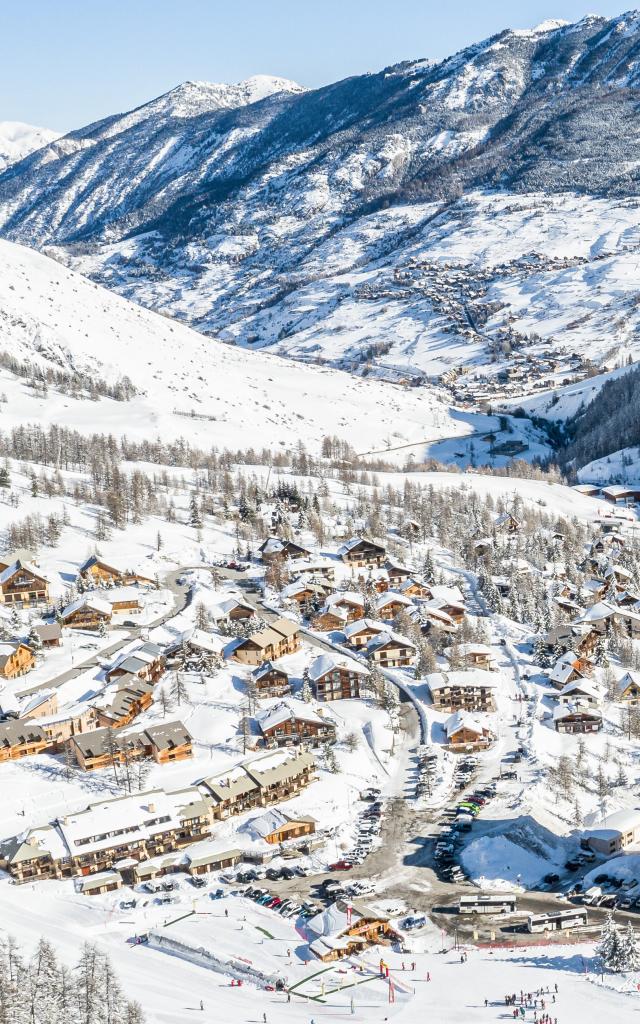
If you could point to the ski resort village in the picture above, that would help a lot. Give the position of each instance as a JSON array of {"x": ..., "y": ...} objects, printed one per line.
[
  {"x": 319, "y": 516},
  {"x": 331, "y": 732}
]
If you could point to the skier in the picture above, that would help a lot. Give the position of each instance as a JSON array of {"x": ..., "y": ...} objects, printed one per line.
[
  {"x": 226, "y": 911},
  {"x": 264, "y": 1018},
  {"x": 201, "y": 1005}
]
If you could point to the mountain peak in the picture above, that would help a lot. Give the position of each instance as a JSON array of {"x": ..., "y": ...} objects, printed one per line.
[
  {"x": 193, "y": 97},
  {"x": 18, "y": 139}
]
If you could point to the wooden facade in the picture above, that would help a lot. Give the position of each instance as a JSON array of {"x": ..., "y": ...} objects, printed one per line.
[
  {"x": 21, "y": 584},
  {"x": 279, "y": 638},
  {"x": 16, "y": 659},
  {"x": 360, "y": 552}
]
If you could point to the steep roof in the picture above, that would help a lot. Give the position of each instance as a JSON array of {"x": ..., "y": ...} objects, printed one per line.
[
  {"x": 462, "y": 679},
  {"x": 326, "y": 663},
  {"x": 287, "y": 711},
  {"x": 463, "y": 720},
  {"x": 19, "y": 566}
]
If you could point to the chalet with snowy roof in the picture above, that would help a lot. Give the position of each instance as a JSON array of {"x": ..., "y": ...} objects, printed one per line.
[
  {"x": 20, "y": 739},
  {"x": 390, "y": 604},
  {"x": 628, "y": 688},
  {"x": 472, "y": 656},
  {"x": 165, "y": 742},
  {"x": 569, "y": 668},
  {"x": 576, "y": 717},
  {"x": 124, "y": 701},
  {"x": 349, "y": 601},
  {"x": 97, "y": 571},
  {"x": 579, "y": 637},
  {"x": 147, "y": 661},
  {"x": 608, "y": 542},
  {"x": 275, "y": 640},
  {"x": 87, "y": 612},
  {"x": 361, "y": 552},
  {"x": 22, "y": 584},
  {"x": 270, "y": 680},
  {"x": 276, "y": 827},
  {"x": 614, "y": 834},
  {"x": 49, "y": 634},
  {"x": 360, "y": 632},
  {"x": 211, "y": 856},
  {"x": 273, "y": 549},
  {"x": 277, "y": 775},
  {"x": 580, "y": 691},
  {"x": 506, "y": 522},
  {"x": 397, "y": 573},
  {"x": 137, "y": 826},
  {"x": 414, "y": 588},
  {"x": 232, "y": 609},
  {"x": 472, "y": 690},
  {"x": 336, "y": 677},
  {"x": 281, "y": 774},
  {"x": 330, "y": 618},
  {"x": 467, "y": 733},
  {"x": 621, "y": 494},
  {"x": 391, "y": 650},
  {"x": 449, "y": 600},
  {"x": 433, "y": 617},
  {"x": 291, "y": 723},
  {"x": 16, "y": 659},
  {"x": 304, "y": 593},
  {"x": 318, "y": 568},
  {"x": 347, "y": 929}
]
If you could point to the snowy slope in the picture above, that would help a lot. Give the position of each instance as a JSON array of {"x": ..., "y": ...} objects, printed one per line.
[
  {"x": 60, "y": 320},
  {"x": 18, "y": 140}
]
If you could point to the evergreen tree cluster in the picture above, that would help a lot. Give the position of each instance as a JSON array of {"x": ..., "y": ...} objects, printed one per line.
[{"x": 42, "y": 990}]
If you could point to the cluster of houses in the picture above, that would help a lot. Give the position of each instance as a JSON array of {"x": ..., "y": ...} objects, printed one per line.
[
  {"x": 467, "y": 695},
  {"x": 125, "y": 833},
  {"x": 365, "y": 624}
]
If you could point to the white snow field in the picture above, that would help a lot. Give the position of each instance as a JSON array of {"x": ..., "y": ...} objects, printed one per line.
[{"x": 188, "y": 385}]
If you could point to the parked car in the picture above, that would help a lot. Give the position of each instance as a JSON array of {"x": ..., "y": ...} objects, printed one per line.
[
  {"x": 128, "y": 904},
  {"x": 341, "y": 865},
  {"x": 198, "y": 882}
]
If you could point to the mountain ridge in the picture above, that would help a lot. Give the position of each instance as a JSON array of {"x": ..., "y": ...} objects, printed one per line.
[{"x": 350, "y": 224}]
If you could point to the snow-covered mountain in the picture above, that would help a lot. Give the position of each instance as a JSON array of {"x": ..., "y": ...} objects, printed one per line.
[
  {"x": 18, "y": 140},
  {"x": 480, "y": 213}
]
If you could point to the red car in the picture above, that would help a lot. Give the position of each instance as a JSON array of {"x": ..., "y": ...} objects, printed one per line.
[
  {"x": 341, "y": 865},
  {"x": 274, "y": 903}
]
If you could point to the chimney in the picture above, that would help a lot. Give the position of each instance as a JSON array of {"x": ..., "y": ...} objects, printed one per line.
[{"x": 152, "y": 808}]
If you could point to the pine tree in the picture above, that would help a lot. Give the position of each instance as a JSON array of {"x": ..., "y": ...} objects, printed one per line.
[
  {"x": 195, "y": 514},
  {"x": 611, "y": 948},
  {"x": 306, "y": 693},
  {"x": 630, "y": 951}
]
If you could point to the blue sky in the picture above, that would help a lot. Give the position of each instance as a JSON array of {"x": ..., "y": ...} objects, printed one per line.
[{"x": 66, "y": 63}]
